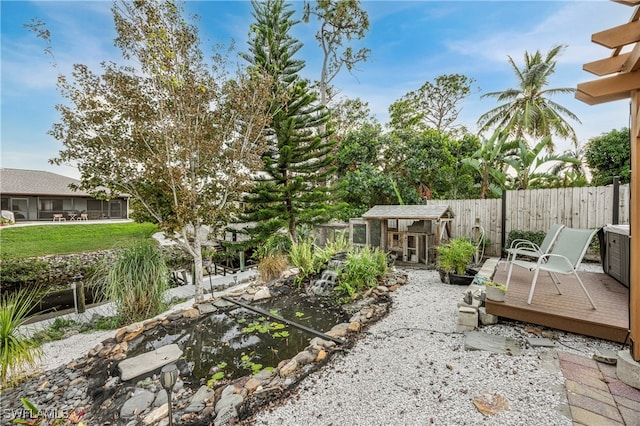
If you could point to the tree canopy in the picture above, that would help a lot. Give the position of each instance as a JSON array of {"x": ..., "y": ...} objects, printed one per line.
[
  {"x": 181, "y": 138},
  {"x": 527, "y": 109},
  {"x": 608, "y": 155},
  {"x": 433, "y": 106}
]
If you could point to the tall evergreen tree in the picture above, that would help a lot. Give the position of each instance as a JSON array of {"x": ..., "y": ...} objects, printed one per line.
[{"x": 292, "y": 189}]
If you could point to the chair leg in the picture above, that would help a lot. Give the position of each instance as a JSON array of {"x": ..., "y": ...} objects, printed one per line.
[
  {"x": 555, "y": 281},
  {"x": 509, "y": 275},
  {"x": 533, "y": 285},
  {"x": 585, "y": 290}
]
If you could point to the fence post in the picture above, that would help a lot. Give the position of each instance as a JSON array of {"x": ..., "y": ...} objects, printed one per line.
[
  {"x": 616, "y": 201},
  {"x": 503, "y": 237}
]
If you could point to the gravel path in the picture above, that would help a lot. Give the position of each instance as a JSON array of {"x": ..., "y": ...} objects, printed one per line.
[
  {"x": 411, "y": 369},
  {"x": 61, "y": 352}
]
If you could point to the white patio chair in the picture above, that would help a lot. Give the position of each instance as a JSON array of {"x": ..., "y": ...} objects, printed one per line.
[
  {"x": 564, "y": 257},
  {"x": 527, "y": 248}
]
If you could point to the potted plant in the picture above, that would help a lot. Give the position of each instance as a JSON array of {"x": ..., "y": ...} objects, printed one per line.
[
  {"x": 454, "y": 258},
  {"x": 495, "y": 291}
]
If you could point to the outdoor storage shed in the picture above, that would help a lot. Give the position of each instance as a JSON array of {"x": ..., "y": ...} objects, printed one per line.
[{"x": 409, "y": 232}]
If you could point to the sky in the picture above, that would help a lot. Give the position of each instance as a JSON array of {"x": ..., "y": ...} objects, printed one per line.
[{"x": 411, "y": 42}]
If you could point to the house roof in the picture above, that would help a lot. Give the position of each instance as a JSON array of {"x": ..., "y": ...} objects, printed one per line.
[
  {"x": 412, "y": 212},
  {"x": 37, "y": 182}
]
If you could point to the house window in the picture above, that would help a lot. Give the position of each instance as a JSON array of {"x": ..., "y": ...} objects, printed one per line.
[
  {"x": 5, "y": 203},
  {"x": 50, "y": 205}
]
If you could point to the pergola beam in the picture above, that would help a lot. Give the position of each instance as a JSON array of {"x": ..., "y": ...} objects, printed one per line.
[
  {"x": 606, "y": 66},
  {"x": 633, "y": 60},
  {"x": 612, "y": 86},
  {"x": 618, "y": 36},
  {"x": 628, "y": 2},
  {"x": 591, "y": 100}
]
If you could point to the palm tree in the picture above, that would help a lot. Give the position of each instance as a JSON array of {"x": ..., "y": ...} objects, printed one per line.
[
  {"x": 489, "y": 162},
  {"x": 528, "y": 111},
  {"x": 528, "y": 164}
]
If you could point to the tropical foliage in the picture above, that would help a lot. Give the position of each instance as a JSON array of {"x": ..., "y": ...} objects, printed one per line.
[
  {"x": 528, "y": 164},
  {"x": 528, "y": 109},
  {"x": 489, "y": 163},
  {"x": 361, "y": 271},
  {"x": 17, "y": 351}
]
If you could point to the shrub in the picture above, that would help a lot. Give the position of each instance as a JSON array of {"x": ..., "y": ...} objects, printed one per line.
[
  {"x": 534, "y": 237},
  {"x": 456, "y": 255},
  {"x": 278, "y": 243},
  {"x": 16, "y": 351},
  {"x": 361, "y": 271},
  {"x": 271, "y": 266},
  {"x": 301, "y": 256},
  {"x": 136, "y": 282},
  {"x": 23, "y": 271}
]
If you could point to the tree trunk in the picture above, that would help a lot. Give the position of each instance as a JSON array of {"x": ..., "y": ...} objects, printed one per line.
[{"x": 197, "y": 263}]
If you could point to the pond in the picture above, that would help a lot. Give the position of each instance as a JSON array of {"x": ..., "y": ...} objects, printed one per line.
[{"x": 238, "y": 342}]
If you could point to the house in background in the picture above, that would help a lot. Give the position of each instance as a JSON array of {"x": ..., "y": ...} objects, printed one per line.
[{"x": 38, "y": 195}]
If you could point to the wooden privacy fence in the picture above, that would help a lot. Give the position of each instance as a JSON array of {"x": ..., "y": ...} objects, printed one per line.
[{"x": 537, "y": 210}]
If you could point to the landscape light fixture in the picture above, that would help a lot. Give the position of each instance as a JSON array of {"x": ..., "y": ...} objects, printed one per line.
[{"x": 168, "y": 378}]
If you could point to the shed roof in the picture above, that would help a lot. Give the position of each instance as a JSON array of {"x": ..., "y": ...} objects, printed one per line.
[
  {"x": 37, "y": 182},
  {"x": 412, "y": 212}
]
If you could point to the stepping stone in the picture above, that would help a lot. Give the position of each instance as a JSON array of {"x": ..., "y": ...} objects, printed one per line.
[
  {"x": 478, "y": 341},
  {"x": 540, "y": 342},
  {"x": 606, "y": 356},
  {"x": 149, "y": 361}
]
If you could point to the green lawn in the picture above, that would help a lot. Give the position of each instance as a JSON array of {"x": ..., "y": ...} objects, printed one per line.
[{"x": 29, "y": 241}]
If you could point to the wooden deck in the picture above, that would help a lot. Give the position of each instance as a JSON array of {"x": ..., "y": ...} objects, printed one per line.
[{"x": 569, "y": 311}]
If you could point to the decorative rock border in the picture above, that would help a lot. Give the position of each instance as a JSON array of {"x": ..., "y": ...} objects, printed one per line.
[
  {"x": 471, "y": 308},
  {"x": 101, "y": 396}
]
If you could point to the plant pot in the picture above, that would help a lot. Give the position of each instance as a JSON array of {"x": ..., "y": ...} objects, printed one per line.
[
  {"x": 456, "y": 279},
  {"x": 494, "y": 294},
  {"x": 471, "y": 271}
]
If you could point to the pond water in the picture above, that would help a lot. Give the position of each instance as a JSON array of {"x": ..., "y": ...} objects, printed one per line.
[{"x": 239, "y": 342}]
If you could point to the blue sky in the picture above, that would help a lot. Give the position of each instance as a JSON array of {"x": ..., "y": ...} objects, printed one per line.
[{"x": 411, "y": 42}]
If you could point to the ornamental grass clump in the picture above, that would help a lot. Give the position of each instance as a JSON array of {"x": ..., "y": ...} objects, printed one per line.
[
  {"x": 136, "y": 282},
  {"x": 302, "y": 257},
  {"x": 17, "y": 352}
]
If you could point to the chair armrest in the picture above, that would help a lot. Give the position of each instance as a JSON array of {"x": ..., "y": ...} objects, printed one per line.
[
  {"x": 516, "y": 241},
  {"x": 526, "y": 244},
  {"x": 543, "y": 263}
]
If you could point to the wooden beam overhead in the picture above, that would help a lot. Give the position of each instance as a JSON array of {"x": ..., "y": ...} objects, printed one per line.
[
  {"x": 597, "y": 100},
  {"x": 618, "y": 36},
  {"x": 628, "y": 2},
  {"x": 621, "y": 83},
  {"x": 633, "y": 60},
  {"x": 607, "y": 66}
]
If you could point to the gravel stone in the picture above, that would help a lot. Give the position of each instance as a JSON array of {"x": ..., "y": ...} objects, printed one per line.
[{"x": 411, "y": 368}]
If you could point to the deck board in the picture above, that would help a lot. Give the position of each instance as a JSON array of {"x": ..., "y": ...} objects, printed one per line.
[{"x": 570, "y": 311}]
